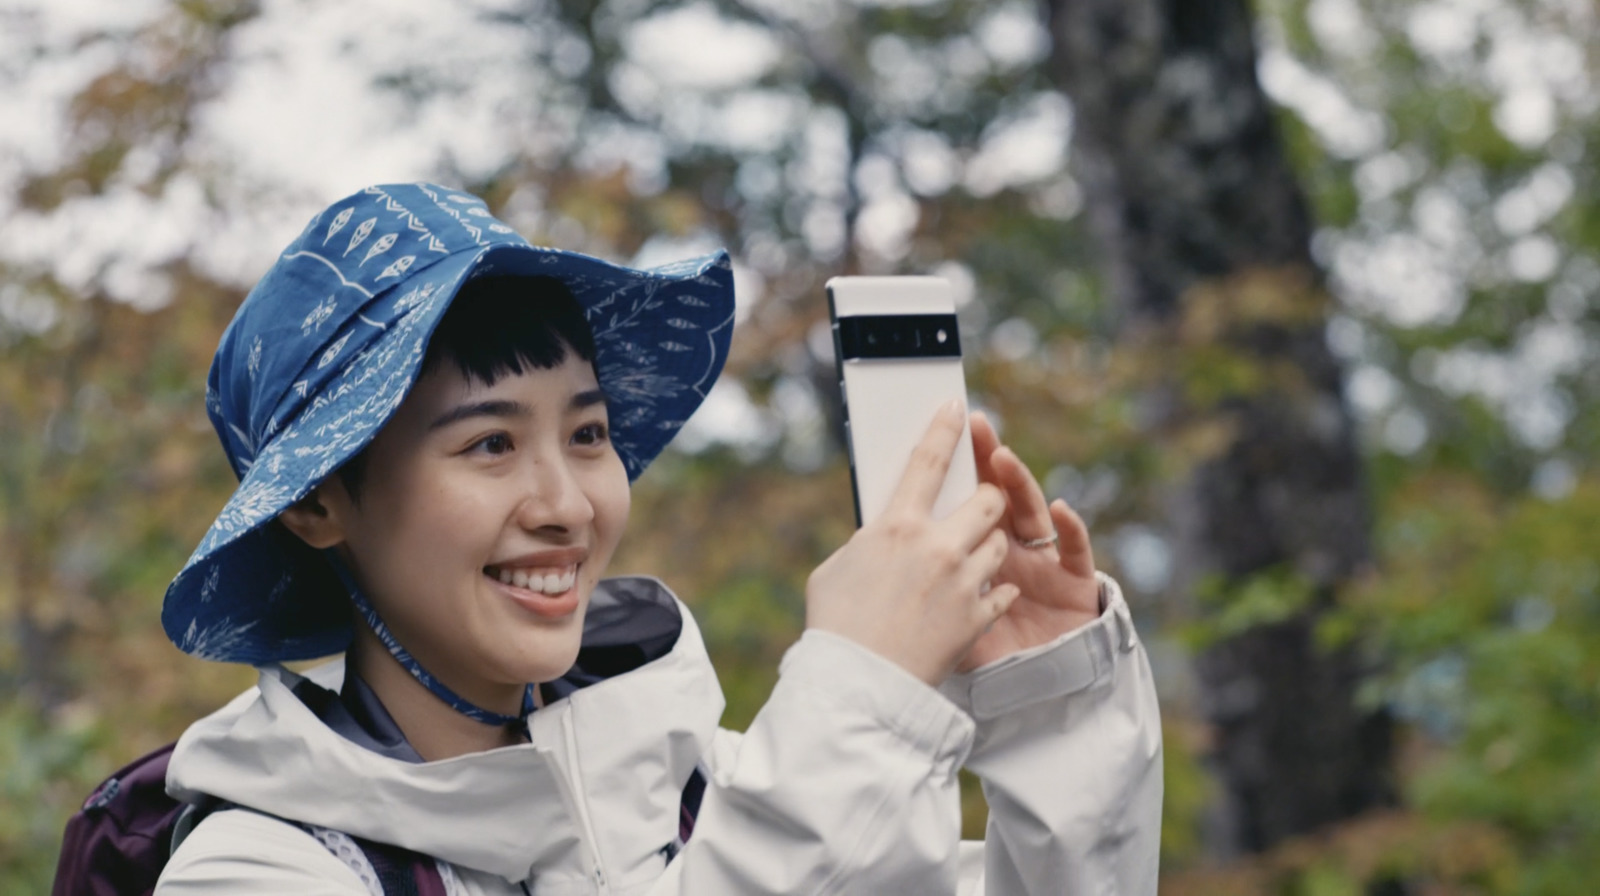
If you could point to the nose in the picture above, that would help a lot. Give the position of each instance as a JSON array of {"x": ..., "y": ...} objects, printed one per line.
[{"x": 554, "y": 499}]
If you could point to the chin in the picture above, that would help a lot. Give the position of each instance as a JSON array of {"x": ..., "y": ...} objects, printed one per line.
[{"x": 550, "y": 664}]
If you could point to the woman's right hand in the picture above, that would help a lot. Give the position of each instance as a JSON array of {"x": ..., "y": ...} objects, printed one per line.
[{"x": 907, "y": 586}]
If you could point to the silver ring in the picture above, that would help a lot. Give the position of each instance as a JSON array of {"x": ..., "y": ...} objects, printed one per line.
[{"x": 1045, "y": 542}]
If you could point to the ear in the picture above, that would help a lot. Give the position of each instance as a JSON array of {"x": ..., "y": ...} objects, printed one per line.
[{"x": 310, "y": 519}]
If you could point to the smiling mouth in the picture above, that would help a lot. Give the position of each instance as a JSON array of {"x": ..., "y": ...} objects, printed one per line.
[{"x": 550, "y": 580}]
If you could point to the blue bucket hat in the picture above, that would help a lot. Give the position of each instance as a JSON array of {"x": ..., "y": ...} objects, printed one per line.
[{"x": 326, "y": 346}]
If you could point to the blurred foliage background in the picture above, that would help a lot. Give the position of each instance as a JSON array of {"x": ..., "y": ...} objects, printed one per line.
[{"x": 1438, "y": 266}]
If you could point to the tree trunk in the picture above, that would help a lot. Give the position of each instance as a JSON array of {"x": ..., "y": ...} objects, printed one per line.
[{"x": 1190, "y": 194}]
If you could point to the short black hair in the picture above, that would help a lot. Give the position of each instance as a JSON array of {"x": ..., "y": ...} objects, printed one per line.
[{"x": 500, "y": 326}]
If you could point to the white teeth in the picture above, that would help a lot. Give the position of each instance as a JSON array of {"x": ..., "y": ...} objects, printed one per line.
[{"x": 551, "y": 583}]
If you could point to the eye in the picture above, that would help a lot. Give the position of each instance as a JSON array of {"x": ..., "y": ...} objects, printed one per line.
[
  {"x": 591, "y": 434},
  {"x": 493, "y": 444}
]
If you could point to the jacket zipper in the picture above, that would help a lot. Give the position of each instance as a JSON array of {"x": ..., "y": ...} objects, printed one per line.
[{"x": 579, "y": 803}]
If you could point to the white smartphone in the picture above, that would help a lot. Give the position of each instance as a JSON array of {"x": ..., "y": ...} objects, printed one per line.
[{"x": 899, "y": 356}]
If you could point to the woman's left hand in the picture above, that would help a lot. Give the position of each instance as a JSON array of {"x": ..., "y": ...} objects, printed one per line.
[{"x": 1059, "y": 589}]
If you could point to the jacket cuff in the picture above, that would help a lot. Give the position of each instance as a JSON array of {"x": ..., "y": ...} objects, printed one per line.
[
  {"x": 1077, "y": 661},
  {"x": 837, "y": 670}
]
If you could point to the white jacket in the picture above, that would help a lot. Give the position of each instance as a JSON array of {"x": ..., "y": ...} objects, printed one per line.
[{"x": 845, "y": 781}]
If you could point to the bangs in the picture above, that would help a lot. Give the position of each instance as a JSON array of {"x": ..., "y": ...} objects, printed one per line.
[
  {"x": 496, "y": 327},
  {"x": 504, "y": 326}
]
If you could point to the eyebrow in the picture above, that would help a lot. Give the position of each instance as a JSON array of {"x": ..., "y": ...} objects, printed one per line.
[
  {"x": 513, "y": 409},
  {"x": 587, "y": 399}
]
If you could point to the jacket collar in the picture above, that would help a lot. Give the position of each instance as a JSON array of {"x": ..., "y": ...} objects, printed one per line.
[{"x": 628, "y": 741}]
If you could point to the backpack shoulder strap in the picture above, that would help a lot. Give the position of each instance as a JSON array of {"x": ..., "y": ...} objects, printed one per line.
[
  {"x": 688, "y": 810},
  {"x": 190, "y": 815},
  {"x": 384, "y": 869},
  {"x": 689, "y": 806},
  {"x": 403, "y": 872}
]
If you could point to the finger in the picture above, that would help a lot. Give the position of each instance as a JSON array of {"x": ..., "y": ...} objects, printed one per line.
[
  {"x": 984, "y": 441},
  {"x": 924, "y": 476},
  {"x": 996, "y": 603},
  {"x": 984, "y": 561},
  {"x": 974, "y": 521},
  {"x": 1030, "y": 513},
  {"x": 1077, "y": 556}
]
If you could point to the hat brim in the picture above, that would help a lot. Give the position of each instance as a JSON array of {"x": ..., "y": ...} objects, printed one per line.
[{"x": 252, "y": 593}]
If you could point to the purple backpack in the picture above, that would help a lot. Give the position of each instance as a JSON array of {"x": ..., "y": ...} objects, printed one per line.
[{"x": 117, "y": 844}]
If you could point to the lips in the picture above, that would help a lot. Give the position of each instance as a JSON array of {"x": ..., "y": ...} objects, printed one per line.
[{"x": 542, "y": 583}]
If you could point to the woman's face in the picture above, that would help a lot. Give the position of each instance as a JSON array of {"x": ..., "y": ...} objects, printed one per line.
[{"x": 486, "y": 516}]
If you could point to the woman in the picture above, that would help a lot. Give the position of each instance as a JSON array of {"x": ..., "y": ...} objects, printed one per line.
[{"x": 435, "y": 425}]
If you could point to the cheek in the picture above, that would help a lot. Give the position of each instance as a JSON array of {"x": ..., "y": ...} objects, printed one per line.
[
  {"x": 434, "y": 518},
  {"x": 620, "y": 503},
  {"x": 612, "y": 500}
]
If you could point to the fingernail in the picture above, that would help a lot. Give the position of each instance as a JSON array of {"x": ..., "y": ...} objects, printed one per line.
[{"x": 953, "y": 406}]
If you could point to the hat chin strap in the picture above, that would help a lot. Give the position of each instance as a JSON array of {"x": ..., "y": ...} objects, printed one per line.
[{"x": 409, "y": 663}]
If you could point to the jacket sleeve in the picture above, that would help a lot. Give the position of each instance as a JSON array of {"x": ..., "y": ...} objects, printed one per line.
[
  {"x": 1068, "y": 748},
  {"x": 845, "y": 782},
  {"x": 243, "y": 852}
]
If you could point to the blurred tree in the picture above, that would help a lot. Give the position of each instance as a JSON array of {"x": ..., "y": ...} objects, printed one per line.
[
  {"x": 1206, "y": 240},
  {"x": 105, "y": 456},
  {"x": 1444, "y": 147},
  {"x": 1449, "y": 151}
]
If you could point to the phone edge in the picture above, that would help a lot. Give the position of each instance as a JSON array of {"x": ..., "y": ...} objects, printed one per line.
[{"x": 844, "y": 400}]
